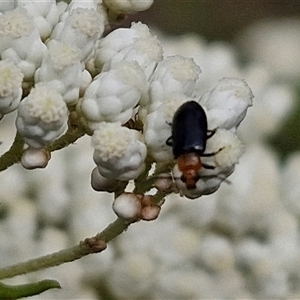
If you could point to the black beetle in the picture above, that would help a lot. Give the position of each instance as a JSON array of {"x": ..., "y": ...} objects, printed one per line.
[{"x": 188, "y": 141}]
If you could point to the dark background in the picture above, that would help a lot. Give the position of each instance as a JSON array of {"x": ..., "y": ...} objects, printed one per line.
[{"x": 214, "y": 19}]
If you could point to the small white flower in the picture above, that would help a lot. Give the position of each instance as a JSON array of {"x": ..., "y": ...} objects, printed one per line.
[
  {"x": 227, "y": 103},
  {"x": 127, "y": 206},
  {"x": 44, "y": 14},
  {"x": 227, "y": 148},
  {"x": 35, "y": 158},
  {"x": 128, "y": 6},
  {"x": 100, "y": 183},
  {"x": 118, "y": 40},
  {"x": 157, "y": 128},
  {"x": 150, "y": 210},
  {"x": 119, "y": 153},
  {"x": 113, "y": 95},
  {"x": 81, "y": 28},
  {"x": 42, "y": 116},
  {"x": 61, "y": 69},
  {"x": 175, "y": 74},
  {"x": 17, "y": 30},
  {"x": 10, "y": 87},
  {"x": 147, "y": 52}
]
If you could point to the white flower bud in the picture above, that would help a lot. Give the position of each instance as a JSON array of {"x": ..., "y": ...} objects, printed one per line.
[
  {"x": 113, "y": 95},
  {"x": 61, "y": 69},
  {"x": 81, "y": 29},
  {"x": 127, "y": 206},
  {"x": 147, "y": 52},
  {"x": 175, "y": 74},
  {"x": 119, "y": 153},
  {"x": 102, "y": 184},
  {"x": 227, "y": 104},
  {"x": 10, "y": 87},
  {"x": 35, "y": 158},
  {"x": 150, "y": 213},
  {"x": 119, "y": 39},
  {"x": 227, "y": 146},
  {"x": 150, "y": 210},
  {"x": 44, "y": 14},
  {"x": 157, "y": 128},
  {"x": 164, "y": 182},
  {"x": 128, "y": 6},
  {"x": 17, "y": 30},
  {"x": 42, "y": 116}
]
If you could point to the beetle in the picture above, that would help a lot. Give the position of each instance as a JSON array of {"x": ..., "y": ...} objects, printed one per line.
[{"x": 188, "y": 141}]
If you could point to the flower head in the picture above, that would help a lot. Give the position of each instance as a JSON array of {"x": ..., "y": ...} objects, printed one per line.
[
  {"x": 42, "y": 116},
  {"x": 11, "y": 79},
  {"x": 119, "y": 152}
]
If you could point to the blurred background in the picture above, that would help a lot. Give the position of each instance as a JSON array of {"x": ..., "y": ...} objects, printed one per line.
[
  {"x": 227, "y": 21},
  {"x": 213, "y": 19}
]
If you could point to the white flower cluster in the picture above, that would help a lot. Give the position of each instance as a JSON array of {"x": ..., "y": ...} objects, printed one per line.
[
  {"x": 111, "y": 81},
  {"x": 45, "y": 47}
]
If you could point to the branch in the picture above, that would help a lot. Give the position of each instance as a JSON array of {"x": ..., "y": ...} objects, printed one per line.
[
  {"x": 26, "y": 290},
  {"x": 13, "y": 155},
  {"x": 90, "y": 245}
]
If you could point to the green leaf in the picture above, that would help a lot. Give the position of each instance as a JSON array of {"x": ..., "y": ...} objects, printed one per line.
[{"x": 9, "y": 292}]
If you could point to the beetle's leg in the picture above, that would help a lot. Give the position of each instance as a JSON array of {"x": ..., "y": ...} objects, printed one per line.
[
  {"x": 208, "y": 166},
  {"x": 169, "y": 141},
  {"x": 212, "y": 154},
  {"x": 211, "y": 133}
]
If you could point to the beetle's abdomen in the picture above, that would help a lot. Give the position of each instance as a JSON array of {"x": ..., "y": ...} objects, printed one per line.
[{"x": 189, "y": 129}]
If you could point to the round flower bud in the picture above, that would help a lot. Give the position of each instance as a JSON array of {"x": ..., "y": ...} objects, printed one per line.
[
  {"x": 127, "y": 206},
  {"x": 35, "y": 158},
  {"x": 10, "y": 87},
  {"x": 157, "y": 128},
  {"x": 62, "y": 70},
  {"x": 227, "y": 146},
  {"x": 150, "y": 210},
  {"x": 81, "y": 29},
  {"x": 118, "y": 40},
  {"x": 175, "y": 74},
  {"x": 102, "y": 184},
  {"x": 17, "y": 30},
  {"x": 119, "y": 153},
  {"x": 42, "y": 116},
  {"x": 112, "y": 96},
  {"x": 227, "y": 104},
  {"x": 147, "y": 52},
  {"x": 44, "y": 14},
  {"x": 164, "y": 182}
]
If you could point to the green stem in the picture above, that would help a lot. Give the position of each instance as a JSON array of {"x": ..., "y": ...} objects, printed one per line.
[
  {"x": 91, "y": 245},
  {"x": 13, "y": 155},
  {"x": 26, "y": 290}
]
